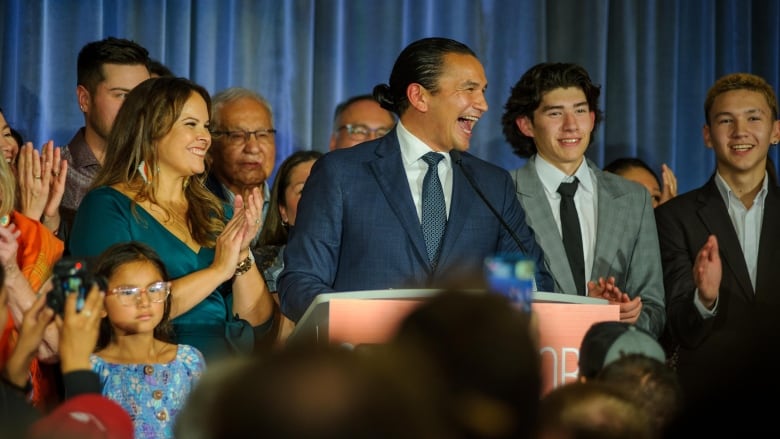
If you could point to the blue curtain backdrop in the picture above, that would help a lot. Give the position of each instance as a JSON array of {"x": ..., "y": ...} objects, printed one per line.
[{"x": 655, "y": 59}]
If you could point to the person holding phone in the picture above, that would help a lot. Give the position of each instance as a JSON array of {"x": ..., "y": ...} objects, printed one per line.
[{"x": 78, "y": 333}]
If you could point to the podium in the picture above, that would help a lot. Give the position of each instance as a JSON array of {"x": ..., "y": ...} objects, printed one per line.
[{"x": 372, "y": 317}]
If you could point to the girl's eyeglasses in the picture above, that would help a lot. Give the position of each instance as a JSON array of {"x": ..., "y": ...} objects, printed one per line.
[{"x": 129, "y": 296}]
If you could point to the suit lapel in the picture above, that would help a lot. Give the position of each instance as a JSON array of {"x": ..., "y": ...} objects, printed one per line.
[
  {"x": 388, "y": 169},
  {"x": 769, "y": 242},
  {"x": 612, "y": 205},
  {"x": 714, "y": 215},
  {"x": 540, "y": 218}
]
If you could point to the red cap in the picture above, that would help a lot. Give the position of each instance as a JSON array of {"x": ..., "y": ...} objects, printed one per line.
[{"x": 85, "y": 416}]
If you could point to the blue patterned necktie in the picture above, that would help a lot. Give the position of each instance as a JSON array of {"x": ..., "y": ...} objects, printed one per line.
[{"x": 434, "y": 210}]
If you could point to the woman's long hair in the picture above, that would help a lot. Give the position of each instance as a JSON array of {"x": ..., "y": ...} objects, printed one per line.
[{"x": 146, "y": 116}]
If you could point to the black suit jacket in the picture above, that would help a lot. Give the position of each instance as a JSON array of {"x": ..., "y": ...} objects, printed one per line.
[{"x": 747, "y": 320}]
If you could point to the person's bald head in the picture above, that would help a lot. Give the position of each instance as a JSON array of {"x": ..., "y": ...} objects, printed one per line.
[{"x": 357, "y": 120}]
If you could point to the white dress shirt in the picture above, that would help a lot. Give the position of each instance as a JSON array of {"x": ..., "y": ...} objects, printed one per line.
[
  {"x": 412, "y": 150},
  {"x": 585, "y": 200}
]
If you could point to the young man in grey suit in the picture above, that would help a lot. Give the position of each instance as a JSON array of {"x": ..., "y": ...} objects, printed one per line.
[
  {"x": 605, "y": 245},
  {"x": 362, "y": 212},
  {"x": 720, "y": 246}
]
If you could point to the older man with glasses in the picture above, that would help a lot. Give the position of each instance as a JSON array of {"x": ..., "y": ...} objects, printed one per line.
[
  {"x": 243, "y": 149},
  {"x": 359, "y": 119}
]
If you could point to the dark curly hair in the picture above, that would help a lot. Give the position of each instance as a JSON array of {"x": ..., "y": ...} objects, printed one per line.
[{"x": 527, "y": 94}]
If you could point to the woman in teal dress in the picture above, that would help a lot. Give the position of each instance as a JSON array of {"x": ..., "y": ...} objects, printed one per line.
[{"x": 151, "y": 190}]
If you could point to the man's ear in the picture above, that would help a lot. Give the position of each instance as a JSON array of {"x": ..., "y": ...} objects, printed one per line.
[
  {"x": 705, "y": 133},
  {"x": 82, "y": 95},
  {"x": 417, "y": 96},
  {"x": 776, "y": 133},
  {"x": 525, "y": 125}
]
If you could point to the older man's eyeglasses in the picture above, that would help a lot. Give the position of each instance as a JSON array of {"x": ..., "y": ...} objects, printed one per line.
[
  {"x": 242, "y": 137},
  {"x": 362, "y": 132},
  {"x": 130, "y": 296}
]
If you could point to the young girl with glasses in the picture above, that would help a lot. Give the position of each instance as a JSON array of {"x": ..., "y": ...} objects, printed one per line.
[{"x": 138, "y": 367}]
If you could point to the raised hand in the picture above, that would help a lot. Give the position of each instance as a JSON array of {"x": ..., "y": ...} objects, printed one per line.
[
  {"x": 707, "y": 272},
  {"x": 31, "y": 333},
  {"x": 9, "y": 246},
  {"x": 79, "y": 330},
  {"x": 252, "y": 209},
  {"x": 41, "y": 183},
  {"x": 229, "y": 244},
  {"x": 606, "y": 289},
  {"x": 669, "y": 189}
]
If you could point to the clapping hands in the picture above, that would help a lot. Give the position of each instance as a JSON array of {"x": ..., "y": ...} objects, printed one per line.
[
  {"x": 608, "y": 290},
  {"x": 41, "y": 179}
]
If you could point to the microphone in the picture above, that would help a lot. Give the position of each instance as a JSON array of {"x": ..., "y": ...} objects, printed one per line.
[{"x": 456, "y": 157}]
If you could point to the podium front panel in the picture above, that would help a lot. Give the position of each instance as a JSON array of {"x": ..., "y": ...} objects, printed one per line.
[
  {"x": 371, "y": 317},
  {"x": 561, "y": 329}
]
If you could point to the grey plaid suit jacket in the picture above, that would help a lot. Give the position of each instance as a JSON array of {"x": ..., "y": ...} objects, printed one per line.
[{"x": 626, "y": 239}]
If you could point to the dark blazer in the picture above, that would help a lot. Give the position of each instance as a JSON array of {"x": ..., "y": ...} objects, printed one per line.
[
  {"x": 357, "y": 227},
  {"x": 744, "y": 315}
]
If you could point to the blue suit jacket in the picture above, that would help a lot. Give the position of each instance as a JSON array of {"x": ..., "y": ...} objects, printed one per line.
[{"x": 357, "y": 227}]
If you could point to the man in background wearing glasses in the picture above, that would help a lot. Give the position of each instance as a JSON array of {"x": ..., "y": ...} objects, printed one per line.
[
  {"x": 357, "y": 120},
  {"x": 243, "y": 148}
]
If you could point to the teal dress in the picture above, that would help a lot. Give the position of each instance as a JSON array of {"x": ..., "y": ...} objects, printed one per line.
[{"x": 105, "y": 217}]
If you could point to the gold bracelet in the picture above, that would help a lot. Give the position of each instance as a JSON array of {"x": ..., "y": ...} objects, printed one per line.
[{"x": 244, "y": 265}]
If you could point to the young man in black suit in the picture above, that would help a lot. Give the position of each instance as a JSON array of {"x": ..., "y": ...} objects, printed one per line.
[{"x": 720, "y": 245}]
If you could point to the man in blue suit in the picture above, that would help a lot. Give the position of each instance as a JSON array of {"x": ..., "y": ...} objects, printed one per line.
[{"x": 360, "y": 215}]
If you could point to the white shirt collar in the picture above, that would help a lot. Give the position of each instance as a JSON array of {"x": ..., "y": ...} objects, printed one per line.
[
  {"x": 412, "y": 148},
  {"x": 729, "y": 195},
  {"x": 552, "y": 177}
]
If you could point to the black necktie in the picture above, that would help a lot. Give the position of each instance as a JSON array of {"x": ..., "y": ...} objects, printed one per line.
[
  {"x": 572, "y": 237},
  {"x": 434, "y": 210}
]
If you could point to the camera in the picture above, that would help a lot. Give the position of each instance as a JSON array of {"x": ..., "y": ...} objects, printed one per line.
[{"x": 71, "y": 277}]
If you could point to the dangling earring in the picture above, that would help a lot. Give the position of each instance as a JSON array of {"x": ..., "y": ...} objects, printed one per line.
[
  {"x": 144, "y": 171},
  {"x": 186, "y": 181},
  {"x": 5, "y": 220}
]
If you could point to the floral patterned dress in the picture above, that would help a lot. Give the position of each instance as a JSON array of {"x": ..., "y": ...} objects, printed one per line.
[{"x": 152, "y": 394}]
